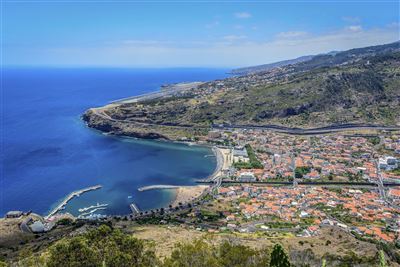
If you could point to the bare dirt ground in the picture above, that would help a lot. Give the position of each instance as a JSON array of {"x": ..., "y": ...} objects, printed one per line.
[
  {"x": 340, "y": 243},
  {"x": 186, "y": 194}
]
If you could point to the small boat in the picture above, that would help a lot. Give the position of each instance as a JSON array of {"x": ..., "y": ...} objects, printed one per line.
[
  {"x": 129, "y": 196},
  {"x": 93, "y": 207}
]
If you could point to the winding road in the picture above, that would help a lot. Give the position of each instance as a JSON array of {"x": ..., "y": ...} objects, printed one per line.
[{"x": 271, "y": 127}]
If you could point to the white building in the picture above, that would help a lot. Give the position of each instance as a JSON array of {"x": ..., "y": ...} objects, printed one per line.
[
  {"x": 240, "y": 154},
  {"x": 247, "y": 177},
  {"x": 388, "y": 163},
  {"x": 14, "y": 214}
]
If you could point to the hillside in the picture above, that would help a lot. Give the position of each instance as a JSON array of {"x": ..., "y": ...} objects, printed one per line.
[
  {"x": 129, "y": 244},
  {"x": 355, "y": 86}
]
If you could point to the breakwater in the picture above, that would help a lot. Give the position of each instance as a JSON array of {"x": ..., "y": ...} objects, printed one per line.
[{"x": 152, "y": 187}]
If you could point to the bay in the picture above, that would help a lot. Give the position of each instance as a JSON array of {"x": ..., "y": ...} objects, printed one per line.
[{"x": 48, "y": 152}]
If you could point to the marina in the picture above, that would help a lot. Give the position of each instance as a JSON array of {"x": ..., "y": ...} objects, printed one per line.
[
  {"x": 93, "y": 207},
  {"x": 69, "y": 198},
  {"x": 91, "y": 212}
]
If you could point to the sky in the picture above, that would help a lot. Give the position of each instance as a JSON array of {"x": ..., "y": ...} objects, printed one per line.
[{"x": 187, "y": 33}]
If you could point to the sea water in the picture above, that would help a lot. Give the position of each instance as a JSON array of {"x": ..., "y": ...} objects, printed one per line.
[{"x": 48, "y": 152}]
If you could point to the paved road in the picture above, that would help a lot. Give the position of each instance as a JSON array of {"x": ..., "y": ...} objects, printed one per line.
[
  {"x": 312, "y": 131},
  {"x": 276, "y": 128},
  {"x": 304, "y": 183}
]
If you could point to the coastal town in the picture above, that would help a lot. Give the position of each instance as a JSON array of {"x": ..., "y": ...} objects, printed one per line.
[
  {"x": 334, "y": 157},
  {"x": 260, "y": 179}
]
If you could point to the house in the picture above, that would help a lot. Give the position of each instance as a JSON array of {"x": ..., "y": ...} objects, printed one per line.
[
  {"x": 14, "y": 214},
  {"x": 214, "y": 134},
  {"x": 394, "y": 193},
  {"x": 303, "y": 214},
  {"x": 312, "y": 175}
]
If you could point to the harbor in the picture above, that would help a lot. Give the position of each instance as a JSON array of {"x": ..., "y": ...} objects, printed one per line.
[{"x": 69, "y": 198}]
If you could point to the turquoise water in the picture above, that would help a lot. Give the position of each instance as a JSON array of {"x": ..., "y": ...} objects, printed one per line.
[{"x": 48, "y": 152}]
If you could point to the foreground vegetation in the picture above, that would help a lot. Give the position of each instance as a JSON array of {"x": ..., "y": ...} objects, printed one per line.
[
  {"x": 177, "y": 246},
  {"x": 105, "y": 246}
]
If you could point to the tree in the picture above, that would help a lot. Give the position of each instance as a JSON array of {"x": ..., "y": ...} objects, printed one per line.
[
  {"x": 196, "y": 254},
  {"x": 279, "y": 258},
  {"x": 231, "y": 255},
  {"x": 200, "y": 253},
  {"x": 382, "y": 260},
  {"x": 74, "y": 253},
  {"x": 101, "y": 247}
]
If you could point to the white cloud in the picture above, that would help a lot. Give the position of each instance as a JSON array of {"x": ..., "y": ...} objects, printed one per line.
[
  {"x": 213, "y": 24},
  {"x": 232, "y": 38},
  {"x": 354, "y": 28},
  {"x": 146, "y": 42},
  {"x": 243, "y": 15},
  {"x": 229, "y": 50},
  {"x": 394, "y": 24},
  {"x": 351, "y": 19},
  {"x": 292, "y": 34}
]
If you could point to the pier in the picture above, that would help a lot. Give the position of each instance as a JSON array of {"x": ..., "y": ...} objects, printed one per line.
[
  {"x": 160, "y": 186},
  {"x": 69, "y": 198},
  {"x": 135, "y": 210}
]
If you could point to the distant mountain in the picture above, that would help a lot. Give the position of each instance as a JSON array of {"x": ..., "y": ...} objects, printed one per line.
[
  {"x": 266, "y": 67},
  {"x": 320, "y": 60},
  {"x": 345, "y": 57}
]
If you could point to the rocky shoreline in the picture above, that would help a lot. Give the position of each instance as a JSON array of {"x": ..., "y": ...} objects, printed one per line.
[{"x": 119, "y": 128}]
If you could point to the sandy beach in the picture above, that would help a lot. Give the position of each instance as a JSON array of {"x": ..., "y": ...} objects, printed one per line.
[
  {"x": 224, "y": 161},
  {"x": 186, "y": 194}
]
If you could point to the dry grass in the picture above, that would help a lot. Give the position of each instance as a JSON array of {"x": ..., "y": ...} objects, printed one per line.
[{"x": 166, "y": 237}]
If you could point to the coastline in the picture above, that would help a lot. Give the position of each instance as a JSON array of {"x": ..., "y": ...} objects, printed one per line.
[
  {"x": 224, "y": 162},
  {"x": 220, "y": 159},
  {"x": 183, "y": 194},
  {"x": 186, "y": 194}
]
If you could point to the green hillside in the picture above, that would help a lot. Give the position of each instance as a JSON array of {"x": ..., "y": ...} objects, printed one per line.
[{"x": 355, "y": 86}]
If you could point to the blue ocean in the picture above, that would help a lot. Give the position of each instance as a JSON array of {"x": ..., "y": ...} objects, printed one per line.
[{"x": 48, "y": 152}]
